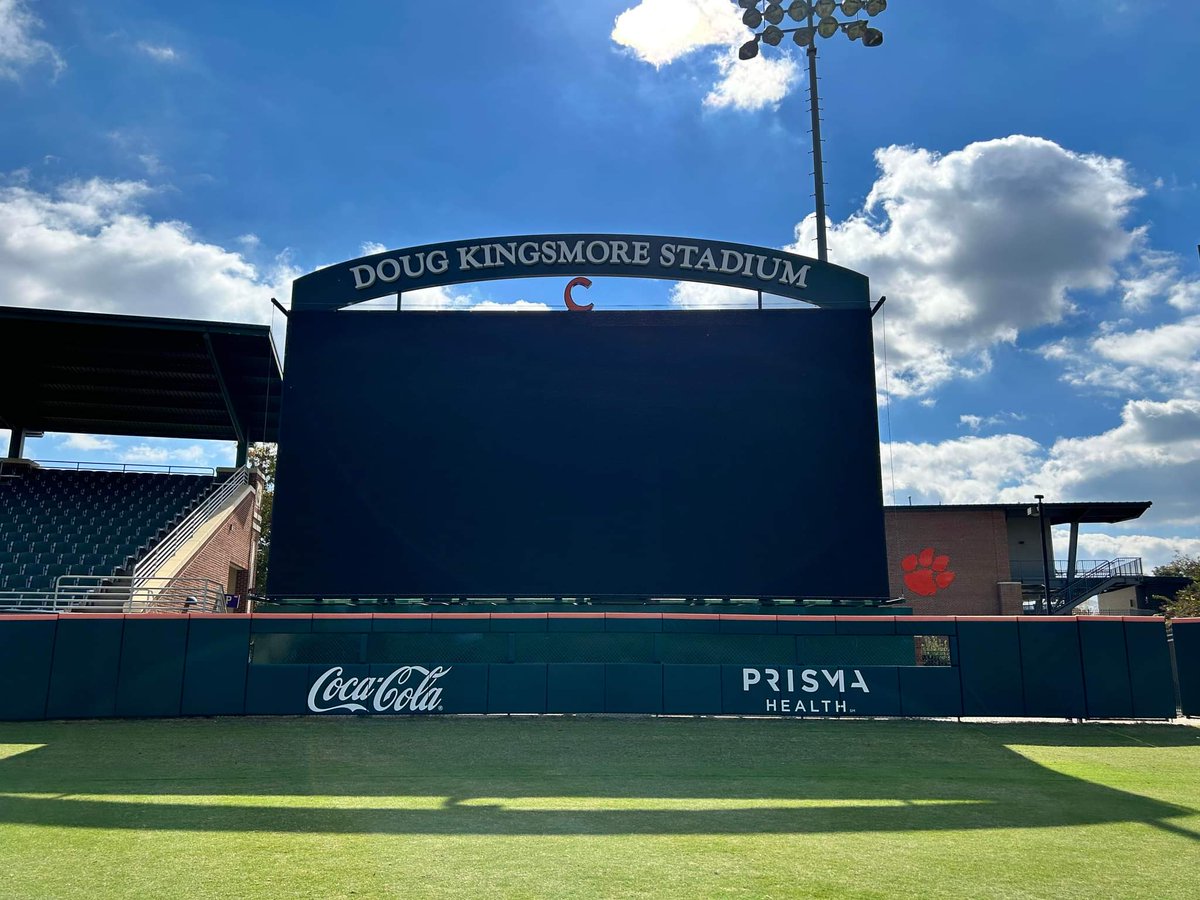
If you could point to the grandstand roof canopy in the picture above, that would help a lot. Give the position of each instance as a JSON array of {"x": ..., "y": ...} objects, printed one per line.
[
  {"x": 103, "y": 374},
  {"x": 1060, "y": 513}
]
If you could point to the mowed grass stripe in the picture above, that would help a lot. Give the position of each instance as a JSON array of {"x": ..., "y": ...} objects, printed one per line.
[{"x": 559, "y": 807}]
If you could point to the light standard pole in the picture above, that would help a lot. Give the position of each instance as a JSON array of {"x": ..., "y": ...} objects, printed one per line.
[
  {"x": 1045, "y": 553},
  {"x": 820, "y": 21}
]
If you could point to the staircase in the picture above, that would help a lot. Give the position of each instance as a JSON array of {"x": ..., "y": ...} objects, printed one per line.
[{"x": 1105, "y": 575}]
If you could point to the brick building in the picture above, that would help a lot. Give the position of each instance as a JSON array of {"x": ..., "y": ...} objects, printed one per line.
[{"x": 986, "y": 559}]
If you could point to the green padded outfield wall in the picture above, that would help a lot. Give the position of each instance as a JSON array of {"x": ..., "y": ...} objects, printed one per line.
[{"x": 84, "y": 666}]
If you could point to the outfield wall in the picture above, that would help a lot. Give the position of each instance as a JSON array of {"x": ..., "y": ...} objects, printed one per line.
[{"x": 106, "y": 665}]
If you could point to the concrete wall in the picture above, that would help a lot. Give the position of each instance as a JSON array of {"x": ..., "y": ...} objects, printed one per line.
[{"x": 976, "y": 542}]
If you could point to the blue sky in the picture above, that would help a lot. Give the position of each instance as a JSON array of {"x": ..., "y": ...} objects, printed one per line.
[{"x": 1021, "y": 182}]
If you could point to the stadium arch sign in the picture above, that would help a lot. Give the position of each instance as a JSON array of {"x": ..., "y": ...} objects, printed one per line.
[{"x": 613, "y": 255}]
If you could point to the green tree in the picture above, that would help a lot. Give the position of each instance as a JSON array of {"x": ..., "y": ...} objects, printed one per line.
[
  {"x": 262, "y": 457},
  {"x": 1187, "y": 601}
]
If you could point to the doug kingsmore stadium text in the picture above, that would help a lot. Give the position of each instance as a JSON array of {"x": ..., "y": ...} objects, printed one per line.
[{"x": 620, "y": 254}]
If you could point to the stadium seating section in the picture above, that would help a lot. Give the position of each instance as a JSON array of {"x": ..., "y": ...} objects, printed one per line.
[{"x": 59, "y": 522}]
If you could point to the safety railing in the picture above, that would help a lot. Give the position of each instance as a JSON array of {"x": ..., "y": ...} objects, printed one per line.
[
  {"x": 147, "y": 567},
  {"x": 108, "y": 593},
  {"x": 123, "y": 467}
]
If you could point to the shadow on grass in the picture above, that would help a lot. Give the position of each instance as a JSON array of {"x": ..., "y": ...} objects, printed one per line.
[{"x": 576, "y": 776}]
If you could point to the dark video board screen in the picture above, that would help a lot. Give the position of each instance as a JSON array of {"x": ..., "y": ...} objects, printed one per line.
[{"x": 652, "y": 453}]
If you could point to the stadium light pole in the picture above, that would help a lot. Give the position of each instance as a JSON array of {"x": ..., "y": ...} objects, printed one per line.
[
  {"x": 819, "y": 22},
  {"x": 1045, "y": 554}
]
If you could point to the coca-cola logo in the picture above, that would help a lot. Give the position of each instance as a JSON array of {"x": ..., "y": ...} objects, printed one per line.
[{"x": 406, "y": 689}]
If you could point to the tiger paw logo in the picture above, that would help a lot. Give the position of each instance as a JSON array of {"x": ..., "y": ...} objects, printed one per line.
[{"x": 926, "y": 574}]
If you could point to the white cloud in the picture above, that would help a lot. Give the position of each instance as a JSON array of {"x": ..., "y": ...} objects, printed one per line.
[
  {"x": 1153, "y": 550},
  {"x": 974, "y": 246},
  {"x": 1156, "y": 277},
  {"x": 19, "y": 49},
  {"x": 752, "y": 83},
  {"x": 370, "y": 248},
  {"x": 976, "y": 423},
  {"x": 514, "y": 306},
  {"x": 661, "y": 32},
  {"x": 85, "y": 442},
  {"x": 696, "y": 295},
  {"x": 1153, "y": 454},
  {"x": 159, "y": 52},
  {"x": 88, "y": 246},
  {"x": 170, "y": 453}
]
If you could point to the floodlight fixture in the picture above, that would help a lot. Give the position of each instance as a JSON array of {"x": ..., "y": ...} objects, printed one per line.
[
  {"x": 814, "y": 17},
  {"x": 799, "y": 10}
]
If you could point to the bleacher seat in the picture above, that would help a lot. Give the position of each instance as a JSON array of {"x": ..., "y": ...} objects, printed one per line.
[{"x": 66, "y": 522}]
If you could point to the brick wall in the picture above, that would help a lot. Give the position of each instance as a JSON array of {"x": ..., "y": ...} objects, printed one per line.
[
  {"x": 233, "y": 543},
  {"x": 976, "y": 542}
]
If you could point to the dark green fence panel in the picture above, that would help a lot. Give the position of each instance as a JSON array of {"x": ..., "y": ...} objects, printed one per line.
[
  {"x": 747, "y": 624},
  {"x": 519, "y": 622},
  {"x": 803, "y": 625},
  {"x": 633, "y": 688},
  {"x": 465, "y": 647},
  {"x": 718, "y": 649},
  {"x": 151, "y": 675},
  {"x": 344, "y": 622},
  {"x": 1105, "y": 668},
  {"x": 402, "y": 622},
  {"x": 517, "y": 688},
  {"x": 619, "y": 622},
  {"x": 930, "y": 691},
  {"x": 1150, "y": 679},
  {"x": 276, "y": 623},
  {"x": 462, "y": 622},
  {"x": 26, "y": 651},
  {"x": 866, "y": 625},
  {"x": 87, "y": 656},
  {"x": 277, "y": 690},
  {"x": 855, "y": 650},
  {"x": 989, "y": 656},
  {"x": 214, "y": 675},
  {"x": 585, "y": 648},
  {"x": 464, "y": 688},
  {"x": 574, "y": 622},
  {"x": 1187, "y": 663},
  {"x": 694, "y": 622},
  {"x": 692, "y": 690},
  {"x": 1051, "y": 670},
  {"x": 926, "y": 625},
  {"x": 575, "y": 688}
]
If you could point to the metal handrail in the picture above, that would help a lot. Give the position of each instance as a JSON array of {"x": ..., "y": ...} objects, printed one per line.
[
  {"x": 108, "y": 593},
  {"x": 123, "y": 467},
  {"x": 148, "y": 564}
]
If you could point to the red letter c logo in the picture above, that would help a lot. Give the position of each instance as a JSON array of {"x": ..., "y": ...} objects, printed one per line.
[{"x": 571, "y": 304}]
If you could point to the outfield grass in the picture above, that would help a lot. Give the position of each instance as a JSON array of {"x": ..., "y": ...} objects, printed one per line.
[{"x": 566, "y": 807}]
